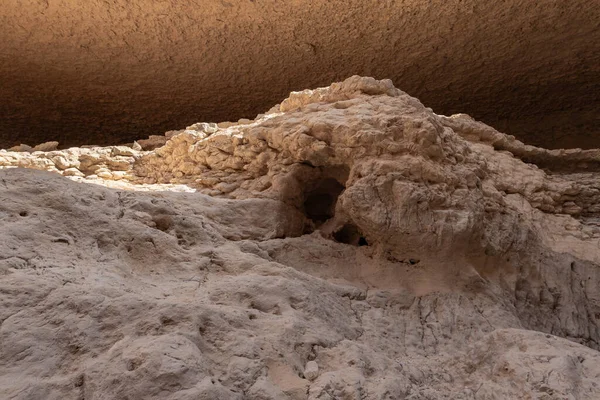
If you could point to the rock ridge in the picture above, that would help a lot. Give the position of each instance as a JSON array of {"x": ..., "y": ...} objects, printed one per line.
[{"x": 348, "y": 243}]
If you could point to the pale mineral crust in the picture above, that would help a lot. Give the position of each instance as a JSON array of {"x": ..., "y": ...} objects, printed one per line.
[{"x": 348, "y": 244}]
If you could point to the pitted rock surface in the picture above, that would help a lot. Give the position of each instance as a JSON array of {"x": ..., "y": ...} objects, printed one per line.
[{"x": 407, "y": 254}]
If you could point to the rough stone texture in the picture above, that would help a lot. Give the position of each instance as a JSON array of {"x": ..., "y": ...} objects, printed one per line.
[
  {"x": 409, "y": 255},
  {"x": 111, "y": 71},
  {"x": 311, "y": 371}
]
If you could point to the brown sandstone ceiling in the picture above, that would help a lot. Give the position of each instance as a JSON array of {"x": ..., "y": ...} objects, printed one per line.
[{"x": 110, "y": 71}]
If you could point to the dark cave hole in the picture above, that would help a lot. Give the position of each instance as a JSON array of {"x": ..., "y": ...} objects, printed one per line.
[
  {"x": 320, "y": 202},
  {"x": 350, "y": 234}
]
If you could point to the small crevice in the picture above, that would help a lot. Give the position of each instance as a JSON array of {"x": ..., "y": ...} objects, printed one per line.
[
  {"x": 350, "y": 234},
  {"x": 320, "y": 202}
]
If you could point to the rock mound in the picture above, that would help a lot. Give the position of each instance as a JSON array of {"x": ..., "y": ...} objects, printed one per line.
[{"x": 348, "y": 244}]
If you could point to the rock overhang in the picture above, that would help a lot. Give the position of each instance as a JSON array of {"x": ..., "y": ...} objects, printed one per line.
[{"x": 109, "y": 72}]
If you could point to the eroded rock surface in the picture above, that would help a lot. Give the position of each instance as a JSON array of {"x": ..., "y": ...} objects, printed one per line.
[{"x": 348, "y": 244}]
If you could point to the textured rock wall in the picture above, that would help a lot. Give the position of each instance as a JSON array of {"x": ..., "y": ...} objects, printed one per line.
[
  {"x": 108, "y": 72},
  {"x": 348, "y": 244}
]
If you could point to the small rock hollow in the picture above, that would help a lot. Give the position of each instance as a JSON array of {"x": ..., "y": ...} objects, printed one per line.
[
  {"x": 320, "y": 202},
  {"x": 350, "y": 234}
]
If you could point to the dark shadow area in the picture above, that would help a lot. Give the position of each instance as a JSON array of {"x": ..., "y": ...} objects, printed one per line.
[
  {"x": 320, "y": 202},
  {"x": 350, "y": 234},
  {"x": 108, "y": 72}
]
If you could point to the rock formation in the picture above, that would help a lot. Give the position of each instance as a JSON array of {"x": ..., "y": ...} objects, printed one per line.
[{"x": 348, "y": 244}]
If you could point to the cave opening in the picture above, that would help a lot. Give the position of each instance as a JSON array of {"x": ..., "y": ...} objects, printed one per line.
[
  {"x": 320, "y": 202},
  {"x": 350, "y": 234}
]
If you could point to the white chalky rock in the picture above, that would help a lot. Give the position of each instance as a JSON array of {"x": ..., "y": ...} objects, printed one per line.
[{"x": 311, "y": 372}]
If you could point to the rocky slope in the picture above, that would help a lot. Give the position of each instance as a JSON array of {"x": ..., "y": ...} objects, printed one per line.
[{"x": 347, "y": 244}]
